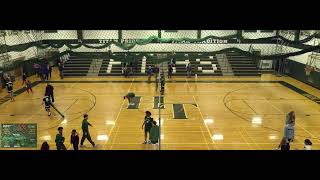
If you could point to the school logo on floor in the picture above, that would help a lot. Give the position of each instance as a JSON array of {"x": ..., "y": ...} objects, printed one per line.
[{"x": 159, "y": 102}]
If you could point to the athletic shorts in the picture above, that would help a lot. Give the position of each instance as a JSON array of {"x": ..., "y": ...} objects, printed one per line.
[
  {"x": 47, "y": 108},
  {"x": 147, "y": 129}
]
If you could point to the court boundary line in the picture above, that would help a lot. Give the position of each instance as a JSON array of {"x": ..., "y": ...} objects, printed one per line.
[
  {"x": 120, "y": 109},
  {"x": 283, "y": 83}
]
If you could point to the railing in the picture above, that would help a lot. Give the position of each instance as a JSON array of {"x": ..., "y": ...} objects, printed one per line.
[{"x": 224, "y": 63}]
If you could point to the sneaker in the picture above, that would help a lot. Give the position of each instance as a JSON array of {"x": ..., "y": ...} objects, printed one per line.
[
  {"x": 149, "y": 142},
  {"x": 145, "y": 142},
  {"x": 49, "y": 114}
]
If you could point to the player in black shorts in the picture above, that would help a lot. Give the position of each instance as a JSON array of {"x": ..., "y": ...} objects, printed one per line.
[
  {"x": 130, "y": 97},
  {"x": 147, "y": 124},
  {"x": 47, "y": 103},
  {"x": 162, "y": 84},
  {"x": 9, "y": 86}
]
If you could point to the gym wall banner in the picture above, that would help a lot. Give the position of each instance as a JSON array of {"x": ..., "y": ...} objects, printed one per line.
[{"x": 206, "y": 41}]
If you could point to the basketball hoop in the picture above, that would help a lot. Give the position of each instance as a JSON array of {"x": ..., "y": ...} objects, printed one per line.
[
  {"x": 312, "y": 63},
  {"x": 309, "y": 69}
]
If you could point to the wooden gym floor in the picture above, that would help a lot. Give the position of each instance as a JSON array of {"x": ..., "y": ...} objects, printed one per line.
[{"x": 232, "y": 113}]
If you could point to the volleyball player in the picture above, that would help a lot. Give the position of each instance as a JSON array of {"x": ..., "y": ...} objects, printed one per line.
[
  {"x": 24, "y": 79},
  {"x": 9, "y": 86},
  {"x": 162, "y": 84},
  {"x": 47, "y": 103},
  {"x": 130, "y": 97},
  {"x": 85, "y": 131},
  {"x": 49, "y": 91},
  {"x": 60, "y": 140},
  {"x": 74, "y": 139},
  {"x": 147, "y": 124}
]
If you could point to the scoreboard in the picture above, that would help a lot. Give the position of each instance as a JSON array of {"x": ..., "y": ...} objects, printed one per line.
[{"x": 18, "y": 135}]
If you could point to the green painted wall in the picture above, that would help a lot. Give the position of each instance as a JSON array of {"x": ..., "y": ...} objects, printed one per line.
[{"x": 296, "y": 70}]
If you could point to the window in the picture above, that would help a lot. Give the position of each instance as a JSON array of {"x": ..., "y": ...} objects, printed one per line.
[
  {"x": 267, "y": 31},
  {"x": 50, "y": 31}
]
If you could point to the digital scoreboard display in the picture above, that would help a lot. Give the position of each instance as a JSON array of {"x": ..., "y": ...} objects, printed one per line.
[{"x": 18, "y": 135}]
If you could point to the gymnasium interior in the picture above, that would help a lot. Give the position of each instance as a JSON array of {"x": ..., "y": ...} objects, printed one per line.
[{"x": 237, "y": 95}]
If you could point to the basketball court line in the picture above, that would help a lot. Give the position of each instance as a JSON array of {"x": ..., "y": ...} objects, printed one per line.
[
  {"x": 275, "y": 107},
  {"x": 69, "y": 107},
  {"x": 244, "y": 139},
  {"x": 249, "y": 106},
  {"x": 295, "y": 89},
  {"x": 198, "y": 107},
  {"x": 253, "y": 141},
  {"x": 114, "y": 139},
  {"x": 199, "y": 110},
  {"x": 285, "y": 84},
  {"x": 213, "y": 142},
  {"x": 312, "y": 136},
  {"x": 204, "y": 138},
  {"x": 119, "y": 111}
]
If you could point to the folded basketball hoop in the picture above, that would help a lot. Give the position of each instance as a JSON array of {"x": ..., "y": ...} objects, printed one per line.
[
  {"x": 309, "y": 69},
  {"x": 312, "y": 63}
]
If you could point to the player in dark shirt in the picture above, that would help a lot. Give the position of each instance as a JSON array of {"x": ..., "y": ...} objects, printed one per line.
[
  {"x": 130, "y": 97},
  {"x": 170, "y": 71},
  {"x": 9, "y": 86},
  {"x": 85, "y": 130},
  {"x": 46, "y": 72},
  {"x": 75, "y": 139},
  {"x": 50, "y": 71},
  {"x": 60, "y": 140},
  {"x": 47, "y": 103},
  {"x": 147, "y": 124},
  {"x": 49, "y": 91},
  {"x": 162, "y": 84}
]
